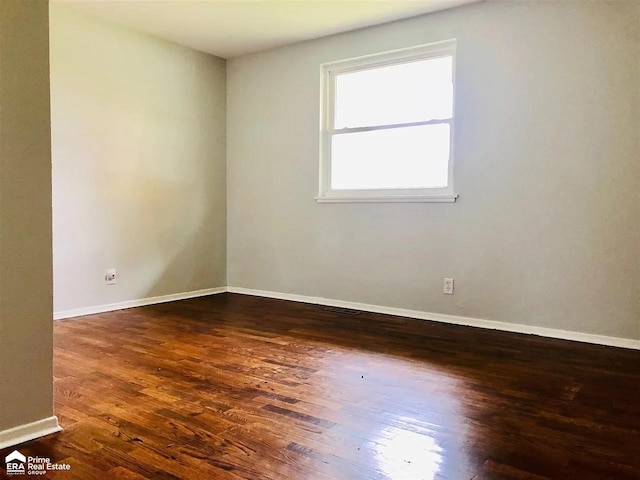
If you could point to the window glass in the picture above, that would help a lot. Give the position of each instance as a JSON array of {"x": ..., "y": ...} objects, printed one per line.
[
  {"x": 404, "y": 93},
  {"x": 411, "y": 157}
]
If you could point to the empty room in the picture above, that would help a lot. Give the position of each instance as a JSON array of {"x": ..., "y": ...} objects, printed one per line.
[{"x": 318, "y": 239}]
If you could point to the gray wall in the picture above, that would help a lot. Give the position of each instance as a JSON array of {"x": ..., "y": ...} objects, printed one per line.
[
  {"x": 25, "y": 215},
  {"x": 546, "y": 231},
  {"x": 139, "y": 181}
]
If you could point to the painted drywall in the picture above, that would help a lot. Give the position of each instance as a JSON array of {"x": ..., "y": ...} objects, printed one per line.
[
  {"x": 546, "y": 231},
  {"x": 26, "y": 327},
  {"x": 138, "y": 145}
]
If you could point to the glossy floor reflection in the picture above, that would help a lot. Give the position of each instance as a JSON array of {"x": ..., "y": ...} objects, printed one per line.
[
  {"x": 404, "y": 454},
  {"x": 239, "y": 387}
]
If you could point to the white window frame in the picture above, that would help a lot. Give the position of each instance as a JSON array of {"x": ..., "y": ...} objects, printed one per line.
[{"x": 329, "y": 72}]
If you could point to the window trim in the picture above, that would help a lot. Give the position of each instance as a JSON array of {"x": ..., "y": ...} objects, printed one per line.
[{"x": 328, "y": 72}]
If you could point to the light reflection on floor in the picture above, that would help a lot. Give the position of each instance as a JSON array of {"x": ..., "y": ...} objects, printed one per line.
[
  {"x": 407, "y": 411},
  {"x": 402, "y": 454}
]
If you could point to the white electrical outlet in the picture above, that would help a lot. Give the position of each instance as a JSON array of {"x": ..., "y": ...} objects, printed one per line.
[
  {"x": 110, "y": 277},
  {"x": 448, "y": 286}
]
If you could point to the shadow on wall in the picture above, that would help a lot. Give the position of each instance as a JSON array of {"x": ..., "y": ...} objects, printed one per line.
[
  {"x": 197, "y": 264},
  {"x": 138, "y": 148}
]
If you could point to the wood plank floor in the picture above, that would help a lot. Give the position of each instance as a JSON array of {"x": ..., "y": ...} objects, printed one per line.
[{"x": 240, "y": 387}]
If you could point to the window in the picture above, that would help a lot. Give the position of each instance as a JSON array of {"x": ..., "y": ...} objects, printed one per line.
[{"x": 387, "y": 127}]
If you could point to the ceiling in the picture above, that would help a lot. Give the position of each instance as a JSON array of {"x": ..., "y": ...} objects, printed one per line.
[{"x": 228, "y": 28}]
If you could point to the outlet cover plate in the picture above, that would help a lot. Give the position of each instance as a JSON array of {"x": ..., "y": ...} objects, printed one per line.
[{"x": 110, "y": 277}]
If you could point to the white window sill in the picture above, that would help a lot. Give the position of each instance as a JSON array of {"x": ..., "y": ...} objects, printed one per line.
[{"x": 444, "y": 198}]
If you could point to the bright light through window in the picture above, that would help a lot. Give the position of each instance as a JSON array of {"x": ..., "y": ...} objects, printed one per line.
[
  {"x": 404, "y": 93},
  {"x": 411, "y": 157},
  {"x": 387, "y": 126}
]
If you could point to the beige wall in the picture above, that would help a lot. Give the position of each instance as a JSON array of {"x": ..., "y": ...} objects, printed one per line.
[
  {"x": 546, "y": 231},
  {"x": 138, "y": 128},
  {"x": 25, "y": 215}
]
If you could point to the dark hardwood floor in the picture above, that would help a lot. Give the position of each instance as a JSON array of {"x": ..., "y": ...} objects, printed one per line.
[{"x": 233, "y": 386}]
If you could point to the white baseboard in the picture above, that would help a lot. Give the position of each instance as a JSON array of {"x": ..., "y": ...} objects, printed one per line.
[
  {"x": 436, "y": 317},
  {"x": 79, "y": 312},
  {"x": 24, "y": 433},
  {"x": 453, "y": 319}
]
